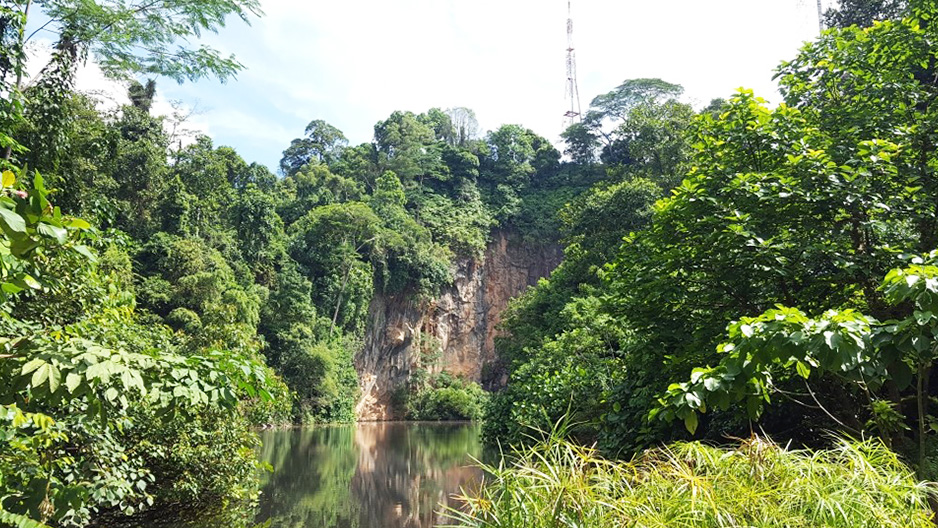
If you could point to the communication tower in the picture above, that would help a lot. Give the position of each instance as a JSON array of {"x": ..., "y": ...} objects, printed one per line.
[
  {"x": 820, "y": 17},
  {"x": 572, "y": 115}
]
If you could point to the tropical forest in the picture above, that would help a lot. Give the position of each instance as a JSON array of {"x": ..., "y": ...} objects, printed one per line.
[{"x": 675, "y": 313}]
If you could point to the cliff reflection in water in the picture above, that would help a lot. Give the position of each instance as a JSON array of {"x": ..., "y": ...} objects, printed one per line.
[{"x": 369, "y": 475}]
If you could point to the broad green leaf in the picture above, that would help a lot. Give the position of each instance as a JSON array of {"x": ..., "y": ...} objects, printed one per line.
[
  {"x": 55, "y": 378},
  {"x": 48, "y": 230},
  {"x": 690, "y": 422},
  {"x": 41, "y": 375},
  {"x": 72, "y": 381},
  {"x": 85, "y": 252},
  {"x": 901, "y": 375},
  {"x": 32, "y": 365},
  {"x": 803, "y": 370},
  {"x": 13, "y": 224},
  {"x": 9, "y": 287},
  {"x": 77, "y": 223}
]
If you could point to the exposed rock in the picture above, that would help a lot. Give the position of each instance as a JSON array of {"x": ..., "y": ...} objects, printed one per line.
[{"x": 461, "y": 323}]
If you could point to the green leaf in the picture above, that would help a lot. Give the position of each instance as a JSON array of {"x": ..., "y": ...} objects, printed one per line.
[
  {"x": 9, "y": 287},
  {"x": 690, "y": 422},
  {"x": 48, "y": 230},
  {"x": 72, "y": 381},
  {"x": 77, "y": 223},
  {"x": 13, "y": 224},
  {"x": 32, "y": 365},
  {"x": 803, "y": 370},
  {"x": 753, "y": 407},
  {"x": 901, "y": 375},
  {"x": 19, "y": 521},
  {"x": 31, "y": 283},
  {"x": 85, "y": 252},
  {"x": 55, "y": 378},
  {"x": 41, "y": 375},
  {"x": 39, "y": 183}
]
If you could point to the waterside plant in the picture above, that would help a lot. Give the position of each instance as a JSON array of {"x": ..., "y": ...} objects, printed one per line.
[{"x": 557, "y": 483}]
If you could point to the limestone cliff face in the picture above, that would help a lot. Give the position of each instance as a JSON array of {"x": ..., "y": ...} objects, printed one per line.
[{"x": 461, "y": 324}]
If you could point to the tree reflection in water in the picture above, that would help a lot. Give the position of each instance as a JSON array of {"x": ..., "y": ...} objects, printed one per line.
[{"x": 370, "y": 475}]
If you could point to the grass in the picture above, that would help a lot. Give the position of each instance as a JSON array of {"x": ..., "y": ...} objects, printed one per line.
[{"x": 558, "y": 484}]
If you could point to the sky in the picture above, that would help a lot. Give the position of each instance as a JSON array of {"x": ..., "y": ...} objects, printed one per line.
[{"x": 353, "y": 62}]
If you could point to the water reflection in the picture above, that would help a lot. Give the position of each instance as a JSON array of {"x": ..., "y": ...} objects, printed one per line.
[{"x": 373, "y": 475}]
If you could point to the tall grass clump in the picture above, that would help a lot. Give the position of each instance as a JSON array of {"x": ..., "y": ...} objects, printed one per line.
[{"x": 559, "y": 484}]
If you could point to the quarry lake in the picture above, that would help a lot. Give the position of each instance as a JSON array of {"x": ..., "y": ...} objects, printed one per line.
[{"x": 366, "y": 475}]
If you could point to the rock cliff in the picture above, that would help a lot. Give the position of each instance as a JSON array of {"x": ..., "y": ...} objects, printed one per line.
[{"x": 459, "y": 326}]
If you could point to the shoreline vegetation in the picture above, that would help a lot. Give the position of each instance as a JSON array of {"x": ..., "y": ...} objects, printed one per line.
[{"x": 557, "y": 482}]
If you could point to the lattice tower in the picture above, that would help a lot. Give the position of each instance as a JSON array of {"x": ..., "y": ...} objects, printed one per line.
[{"x": 572, "y": 115}]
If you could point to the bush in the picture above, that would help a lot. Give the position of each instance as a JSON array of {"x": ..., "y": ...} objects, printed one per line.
[{"x": 450, "y": 399}]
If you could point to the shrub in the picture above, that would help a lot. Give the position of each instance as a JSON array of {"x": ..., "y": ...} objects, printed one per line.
[{"x": 447, "y": 399}]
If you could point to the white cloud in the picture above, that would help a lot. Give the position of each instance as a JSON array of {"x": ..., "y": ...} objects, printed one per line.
[{"x": 353, "y": 62}]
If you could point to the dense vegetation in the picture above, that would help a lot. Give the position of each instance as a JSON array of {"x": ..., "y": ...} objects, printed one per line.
[
  {"x": 793, "y": 254},
  {"x": 736, "y": 267},
  {"x": 175, "y": 295}
]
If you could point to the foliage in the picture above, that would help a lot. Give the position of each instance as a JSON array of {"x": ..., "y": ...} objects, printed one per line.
[
  {"x": 806, "y": 205},
  {"x": 864, "y": 13},
  {"x": 638, "y": 125},
  {"x": 201, "y": 466},
  {"x": 446, "y": 398},
  {"x": 558, "y": 483},
  {"x": 865, "y": 352},
  {"x": 33, "y": 232},
  {"x": 563, "y": 351},
  {"x": 323, "y": 144},
  {"x": 79, "y": 371},
  {"x": 93, "y": 391},
  {"x": 566, "y": 374},
  {"x": 130, "y": 38}
]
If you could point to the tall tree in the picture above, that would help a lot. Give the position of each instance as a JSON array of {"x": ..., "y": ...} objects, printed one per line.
[
  {"x": 864, "y": 13},
  {"x": 141, "y": 96},
  {"x": 465, "y": 125},
  {"x": 323, "y": 144}
]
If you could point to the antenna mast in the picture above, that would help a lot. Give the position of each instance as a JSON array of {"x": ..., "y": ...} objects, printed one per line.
[
  {"x": 572, "y": 115},
  {"x": 820, "y": 17}
]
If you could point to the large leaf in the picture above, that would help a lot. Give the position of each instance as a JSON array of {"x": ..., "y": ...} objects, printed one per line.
[
  {"x": 13, "y": 224},
  {"x": 58, "y": 233}
]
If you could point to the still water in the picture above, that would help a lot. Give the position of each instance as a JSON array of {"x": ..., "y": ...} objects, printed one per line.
[{"x": 369, "y": 475}]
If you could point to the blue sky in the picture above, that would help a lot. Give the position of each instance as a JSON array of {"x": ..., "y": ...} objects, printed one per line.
[{"x": 353, "y": 62}]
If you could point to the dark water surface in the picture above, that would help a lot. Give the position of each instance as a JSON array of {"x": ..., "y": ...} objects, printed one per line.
[{"x": 369, "y": 475}]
